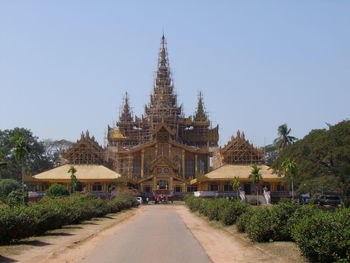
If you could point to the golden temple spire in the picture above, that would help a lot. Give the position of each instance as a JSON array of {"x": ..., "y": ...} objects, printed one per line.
[
  {"x": 200, "y": 115},
  {"x": 126, "y": 114}
]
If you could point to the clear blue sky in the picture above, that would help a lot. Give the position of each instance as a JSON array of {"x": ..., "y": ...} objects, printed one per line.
[{"x": 65, "y": 65}]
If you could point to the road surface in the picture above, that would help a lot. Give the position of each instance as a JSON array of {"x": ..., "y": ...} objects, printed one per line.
[{"x": 156, "y": 235}]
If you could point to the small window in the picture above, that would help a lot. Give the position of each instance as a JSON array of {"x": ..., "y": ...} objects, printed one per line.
[
  {"x": 228, "y": 187},
  {"x": 214, "y": 187},
  {"x": 147, "y": 188},
  {"x": 192, "y": 188},
  {"x": 178, "y": 189},
  {"x": 280, "y": 187},
  {"x": 97, "y": 187}
]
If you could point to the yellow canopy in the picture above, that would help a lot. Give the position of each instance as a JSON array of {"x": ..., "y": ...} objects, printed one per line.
[{"x": 84, "y": 172}]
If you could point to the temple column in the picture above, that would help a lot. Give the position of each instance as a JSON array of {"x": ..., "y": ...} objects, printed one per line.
[
  {"x": 154, "y": 183},
  {"x": 169, "y": 154},
  {"x": 208, "y": 163},
  {"x": 183, "y": 163},
  {"x": 130, "y": 163},
  {"x": 195, "y": 164},
  {"x": 142, "y": 162},
  {"x": 171, "y": 184}
]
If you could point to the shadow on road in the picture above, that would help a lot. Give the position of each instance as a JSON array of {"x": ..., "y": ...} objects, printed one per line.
[
  {"x": 35, "y": 243},
  {"x": 7, "y": 260},
  {"x": 58, "y": 234}
]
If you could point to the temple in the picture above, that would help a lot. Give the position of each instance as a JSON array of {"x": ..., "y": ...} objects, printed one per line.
[{"x": 162, "y": 151}]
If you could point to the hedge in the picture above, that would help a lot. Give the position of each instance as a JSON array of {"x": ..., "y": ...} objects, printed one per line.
[
  {"x": 37, "y": 218},
  {"x": 324, "y": 236},
  {"x": 217, "y": 209}
]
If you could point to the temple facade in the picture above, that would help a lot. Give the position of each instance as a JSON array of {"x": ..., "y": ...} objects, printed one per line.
[{"x": 163, "y": 149}]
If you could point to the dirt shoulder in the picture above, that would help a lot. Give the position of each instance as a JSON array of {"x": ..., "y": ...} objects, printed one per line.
[
  {"x": 68, "y": 244},
  {"x": 224, "y": 244}
]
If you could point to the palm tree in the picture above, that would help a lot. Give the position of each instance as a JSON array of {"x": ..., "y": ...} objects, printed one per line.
[
  {"x": 284, "y": 139},
  {"x": 290, "y": 169},
  {"x": 255, "y": 177},
  {"x": 236, "y": 184},
  {"x": 73, "y": 178}
]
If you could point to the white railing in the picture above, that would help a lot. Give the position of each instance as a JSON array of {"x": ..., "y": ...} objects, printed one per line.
[{"x": 205, "y": 193}]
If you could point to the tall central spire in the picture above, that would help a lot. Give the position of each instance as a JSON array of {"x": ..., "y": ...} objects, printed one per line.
[{"x": 163, "y": 102}]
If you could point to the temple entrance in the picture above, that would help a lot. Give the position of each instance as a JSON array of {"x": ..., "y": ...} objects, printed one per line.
[
  {"x": 247, "y": 189},
  {"x": 162, "y": 184}
]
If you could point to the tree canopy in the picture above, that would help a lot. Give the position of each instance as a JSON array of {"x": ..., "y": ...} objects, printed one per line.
[
  {"x": 38, "y": 157},
  {"x": 323, "y": 159}
]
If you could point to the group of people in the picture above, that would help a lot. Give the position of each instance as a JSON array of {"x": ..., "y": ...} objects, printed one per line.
[{"x": 160, "y": 199}]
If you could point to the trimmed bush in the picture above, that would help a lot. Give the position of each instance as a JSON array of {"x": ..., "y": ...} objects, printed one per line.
[
  {"x": 17, "y": 197},
  {"x": 37, "y": 218},
  {"x": 324, "y": 236},
  {"x": 280, "y": 214},
  {"x": 15, "y": 223},
  {"x": 212, "y": 207},
  {"x": 259, "y": 226},
  {"x": 254, "y": 201},
  {"x": 56, "y": 190},
  {"x": 230, "y": 213},
  {"x": 300, "y": 213},
  {"x": 243, "y": 219},
  {"x": 193, "y": 203}
]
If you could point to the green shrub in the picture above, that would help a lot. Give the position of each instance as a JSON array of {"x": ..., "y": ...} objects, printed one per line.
[
  {"x": 7, "y": 186},
  {"x": 301, "y": 212},
  {"x": 229, "y": 214},
  {"x": 213, "y": 207},
  {"x": 56, "y": 190},
  {"x": 15, "y": 223},
  {"x": 51, "y": 213},
  {"x": 254, "y": 201},
  {"x": 48, "y": 216},
  {"x": 243, "y": 219},
  {"x": 324, "y": 236},
  {"x": 17, "y": 197},
  {"x": 193, "y": 203},
  {"x": 259, "y": 225},
  {"x": 280, "y": 215}
]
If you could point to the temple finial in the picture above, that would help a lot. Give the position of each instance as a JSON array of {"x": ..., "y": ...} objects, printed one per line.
[
  {"x": 126, "y": 115},
  {"x": 200, "y": 115}
]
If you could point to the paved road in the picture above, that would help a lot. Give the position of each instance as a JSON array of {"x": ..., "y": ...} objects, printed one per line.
[{"x": 157, "y": 235}]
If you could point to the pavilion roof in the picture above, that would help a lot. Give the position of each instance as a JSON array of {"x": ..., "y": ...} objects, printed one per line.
[
  {"x": 229, "y": 171},
  {"x": 84, "y": 172}
]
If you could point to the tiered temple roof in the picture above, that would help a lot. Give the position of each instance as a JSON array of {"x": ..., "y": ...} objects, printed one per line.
[
  {"x": 85, "y": 151},
  {"x": 163, "y": 110},
  {"x": 238, "y": 151}
]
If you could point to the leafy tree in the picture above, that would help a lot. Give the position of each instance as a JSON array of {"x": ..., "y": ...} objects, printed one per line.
[
  {"x": 56, "y": 190},
  {"x": 36, "y": 160},
  {"x": 255, "y": 177},
  {"x": 271, "y": 153},
  {"x": 55, "y": 148},
  {"x": 323, "y": 158},
  {"x": 236, "y": 184},
  {"x": 284, "y": 139},
  {"x": 73, "y": 179},
  {"x": 290, "y": 170},
  {"x": 7, "y": 186}
]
